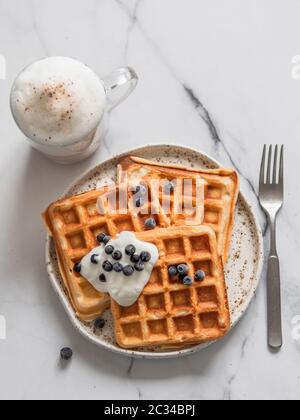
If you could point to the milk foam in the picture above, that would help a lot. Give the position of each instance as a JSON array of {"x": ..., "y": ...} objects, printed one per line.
[{"x": 58, "y": 101}]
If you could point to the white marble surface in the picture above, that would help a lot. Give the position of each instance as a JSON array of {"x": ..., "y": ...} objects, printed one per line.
[{"x": 234, "y": 57}]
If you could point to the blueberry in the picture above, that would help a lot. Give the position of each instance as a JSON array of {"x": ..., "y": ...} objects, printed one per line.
[
  {"x": 140, "y": 189},
  {"x": 95, "y": 259},
  {"x": 200, "y": 275},
  {"x": 181, "y": 277},
  {"x": 99, "y": 324},
  {"x": 117, "y": 255},
  {"x": 150, "y": 223},
  {"x": 128, "y": 270},
  {"x": 109, "y": 249},
  {"x": 188, "y": 281},
  {"x": 117, "y": 267},
  {"x": 130, "y": 250},
  {"x": 169, "y": 187},
  {"x": 139, "y": 266},
  {"x": 66, "y": 353},
  {"x": 182, "y": 269},
  {"x": 173, "y": 271},
  {"x": 100, "y": 237},
  {"x": 106, "y": 239},
  {"x": 77, "y": 268},
  {"x": 107, "y": 266},
  {"x": 140, "y": 202},
  {"x": 135, "y": 258},
  {"x": 102, "y": 278},
  {"x": 145, "y": 256}
]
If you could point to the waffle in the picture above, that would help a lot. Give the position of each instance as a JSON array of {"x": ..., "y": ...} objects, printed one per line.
[
  {"x": 169, "y": 313},
  {"x": 220, "y": 195},
  {"x": 74, "y": 224}
]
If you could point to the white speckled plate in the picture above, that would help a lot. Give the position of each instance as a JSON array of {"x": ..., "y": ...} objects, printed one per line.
[{"x": 243, "y": 269}]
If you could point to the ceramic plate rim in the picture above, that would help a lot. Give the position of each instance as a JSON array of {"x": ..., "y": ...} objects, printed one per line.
[{"x": 146, "y": 354}]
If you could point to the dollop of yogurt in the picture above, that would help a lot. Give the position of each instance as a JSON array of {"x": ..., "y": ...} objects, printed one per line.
[{"x": 125, "y": 290}]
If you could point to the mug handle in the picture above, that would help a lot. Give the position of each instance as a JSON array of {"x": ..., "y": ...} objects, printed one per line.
[{"x": 119, "y": 85}]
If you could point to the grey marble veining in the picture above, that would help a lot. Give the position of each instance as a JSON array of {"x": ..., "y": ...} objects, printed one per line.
[{"x": 215, "y": 76}]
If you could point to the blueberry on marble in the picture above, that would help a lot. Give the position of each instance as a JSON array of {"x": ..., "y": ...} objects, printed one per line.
[
  {"x": 117, "y": 255},
  {"x": 77, "y": 268},
  {"x": 102, "y": 278},
  {"x": 145, "y": 256},
  {"x": 128, "y": 270},
  {"x": 139, "y": 266},
  {"x": 150, "y": 223},
  {"x": 100, "y": 238},
  {"x": 182, "y": 269},
  {"x": 107, "y": 266},
  {"x": 173, "y": 271},
  {"x": 118, "y": 267},
  {"x": 66, "y": 353},
  {"x": 130, "y": 250},
  {"x": 200, "y": 275},
  {"x": 135, "y": 258},
  {"x": 95, "y": 259},
  {"x": 99, "y": 324},
  {"x": 109, "y": 249},
  {"x": 187, "y": 281}
]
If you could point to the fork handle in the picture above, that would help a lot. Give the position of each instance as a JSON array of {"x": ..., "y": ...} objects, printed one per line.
[{"x": 274, "y": 303}]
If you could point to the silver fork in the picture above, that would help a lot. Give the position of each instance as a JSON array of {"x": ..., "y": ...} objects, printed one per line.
[{"x": 271, "y": 192}]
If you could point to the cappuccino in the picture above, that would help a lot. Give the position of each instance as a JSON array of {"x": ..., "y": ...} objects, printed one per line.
[
  {"x": 62, "y": 106},
  {"x": 58, "y": 101}
]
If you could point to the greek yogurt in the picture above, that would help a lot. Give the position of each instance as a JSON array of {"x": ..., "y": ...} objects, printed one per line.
[{"x": 125, "y": 290}]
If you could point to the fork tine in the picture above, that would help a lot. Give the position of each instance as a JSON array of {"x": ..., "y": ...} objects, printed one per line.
[
  {"x": 263, "y": 167},
  {"x": 275, "y": 166},
  {"x": 281, "y": 166},
  {"x": 269, "y": 165}
]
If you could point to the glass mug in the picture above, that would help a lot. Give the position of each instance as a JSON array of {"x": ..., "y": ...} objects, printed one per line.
[{"x": 62, "y": 106}]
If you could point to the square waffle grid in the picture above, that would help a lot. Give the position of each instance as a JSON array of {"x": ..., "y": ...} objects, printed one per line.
[
  {"x": 169, "y": 312},
  {"x": 220, "y": 193},
  {"x": 74, "y": 224}
]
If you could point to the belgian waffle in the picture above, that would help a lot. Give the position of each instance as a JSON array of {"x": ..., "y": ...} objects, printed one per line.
[
  {"x": 169, "y": 313},
  {"x": 74, "y": 224},
  {"x": 220, "y": 194},
  {"x": 166, "y": 314}
]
